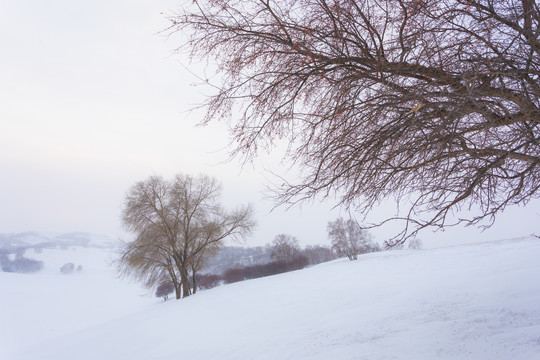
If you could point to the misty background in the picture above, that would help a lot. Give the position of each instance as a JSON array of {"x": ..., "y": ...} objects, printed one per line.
[{"x": 94, "y": 99}]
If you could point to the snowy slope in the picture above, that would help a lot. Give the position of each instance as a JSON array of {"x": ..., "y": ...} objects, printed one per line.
[
  {"x": 465, "y": 302},
  {"x": 48, "y": 304}
]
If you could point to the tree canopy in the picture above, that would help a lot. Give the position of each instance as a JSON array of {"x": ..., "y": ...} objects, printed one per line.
[
  {"x": 349, "y": 239},
  {"x": 433, "y": 103},
  {"x": 176, "y": 223}
]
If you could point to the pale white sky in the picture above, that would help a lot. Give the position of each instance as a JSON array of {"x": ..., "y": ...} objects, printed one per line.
[{"x": 92, "y": 100}]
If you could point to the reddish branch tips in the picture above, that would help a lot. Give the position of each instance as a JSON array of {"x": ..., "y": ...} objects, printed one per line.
[{"x": 435, "y": 102}]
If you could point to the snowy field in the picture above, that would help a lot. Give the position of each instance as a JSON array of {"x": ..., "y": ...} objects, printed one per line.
[{"x": 477, "y": 301}]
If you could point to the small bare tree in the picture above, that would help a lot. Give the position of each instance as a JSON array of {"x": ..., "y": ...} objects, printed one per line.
[
  {"x": 348, "y": 238},
  {"x": 176, "y": 225},
  {"x": 434, "y": 102},
  {"x": 285, "y": 247}
]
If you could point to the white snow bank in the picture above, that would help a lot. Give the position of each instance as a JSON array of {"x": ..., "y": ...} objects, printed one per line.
[
  {"x": 464, "y": 302},
  {"x": 48, "y": 304}
]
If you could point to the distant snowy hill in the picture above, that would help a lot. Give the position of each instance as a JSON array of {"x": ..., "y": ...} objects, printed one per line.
[
  {"x": 477, "y": 301},
  {"x": 44, "y": 240}
]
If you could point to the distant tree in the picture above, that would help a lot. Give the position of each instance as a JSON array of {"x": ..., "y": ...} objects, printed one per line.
[
  {"x": 4, "y": 262},
  {"x": 79, "y": 268},
  {"x": 415, "y": 244},
  {"x": 176, "y": 224},
  {"x": 433, "y": 103},
  {"x": 67, "y": 268},
  {"x": 4, "y": 257},
  {"x": 164, "y": 289},
  {"x": 348, "y": 238},
  {"x": 318, "y": 254},
  {"x": 285, "y": 247},
  {"x": 21, "y": 264}
]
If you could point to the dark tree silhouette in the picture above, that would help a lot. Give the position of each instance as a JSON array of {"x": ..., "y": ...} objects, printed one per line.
[
  {"x": 176, "y": 224},
  {"x": 435, "y": 103}
]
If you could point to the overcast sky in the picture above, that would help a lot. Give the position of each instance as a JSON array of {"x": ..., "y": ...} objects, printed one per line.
[{"x": 92, "y": 100}]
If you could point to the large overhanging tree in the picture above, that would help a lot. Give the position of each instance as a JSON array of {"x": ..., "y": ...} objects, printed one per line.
[
  {"x": 176, "y": 224},
  {"x": 433, "y": 102}
]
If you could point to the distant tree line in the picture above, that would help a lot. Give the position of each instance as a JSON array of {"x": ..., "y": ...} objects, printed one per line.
[
  {"x": 262, "y": 270},
  {"x": 238, "y": 264},
  {"x": 20, "y": 264},
  {"x": 235, "y": 256}
]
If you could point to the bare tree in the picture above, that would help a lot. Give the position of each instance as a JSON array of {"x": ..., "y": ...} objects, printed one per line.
[
  {"x": 285, "y": 248},
  {"x": 176, "y": 225},
  {"x": 435, "y": 103},
  {"x": 348, "y": 238}
]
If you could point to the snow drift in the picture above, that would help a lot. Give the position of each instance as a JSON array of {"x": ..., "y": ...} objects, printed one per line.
[{"x": 465, "y": 302}]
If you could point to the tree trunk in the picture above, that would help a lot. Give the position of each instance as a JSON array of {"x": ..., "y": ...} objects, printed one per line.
[
  {"x": 177, "y": 285},
  {"x": 178, "y": 290},
  {"x": 194, "y": 282},
  {"x": 185, "y": 283}
]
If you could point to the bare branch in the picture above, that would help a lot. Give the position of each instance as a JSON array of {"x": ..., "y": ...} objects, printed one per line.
[{"x": 434, "y": 103}]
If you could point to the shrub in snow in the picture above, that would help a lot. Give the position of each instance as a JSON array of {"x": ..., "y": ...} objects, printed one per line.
[
  {"x": 20, "y": 265},
  {"x": 67, "y": 268},
  {"x": 164, "y": 290},
  {"x": 257, "y": 271},
  {"x": 233, "y": 275},
  {"x": 208, "y": 281},
  {"x": 415, "y": 244},
  {"x": 297, "y": 263},
  {"x": 79, "y": 268}
]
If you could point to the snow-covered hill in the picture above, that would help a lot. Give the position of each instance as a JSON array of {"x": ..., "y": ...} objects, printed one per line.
[
  {"x": 465, "y": 302},
  {"x": 39, "y": 240}
]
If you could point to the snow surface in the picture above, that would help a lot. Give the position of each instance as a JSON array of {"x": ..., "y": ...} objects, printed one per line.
[{"x": 477, "y": 301}]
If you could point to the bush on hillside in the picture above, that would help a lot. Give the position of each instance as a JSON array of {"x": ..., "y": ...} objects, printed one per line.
[
  {"x": 257, "y": 271},
  {"x": 67, "y": 268},
  {"x": 208, "y": 281},
  {"x": 20, "y": 265},
  {"x": 164, "y": 290}
]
